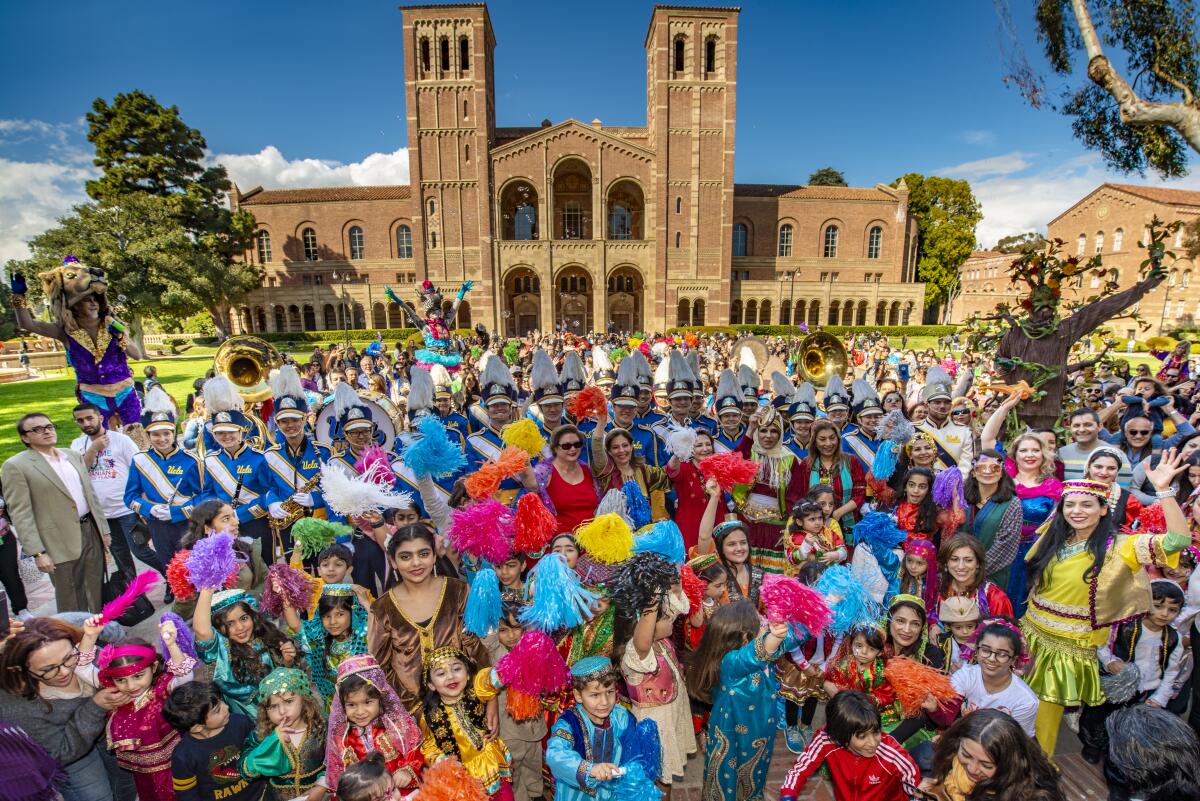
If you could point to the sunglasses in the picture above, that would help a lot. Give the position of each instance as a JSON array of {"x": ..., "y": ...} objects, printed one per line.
[
  {"x": 1138, "y": 433},
  {"x": 961, "y": 411},
  {"x": 570, "y": 446}
]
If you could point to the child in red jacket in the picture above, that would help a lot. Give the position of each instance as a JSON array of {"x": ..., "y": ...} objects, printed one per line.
[{"x": 864, "y": 763}]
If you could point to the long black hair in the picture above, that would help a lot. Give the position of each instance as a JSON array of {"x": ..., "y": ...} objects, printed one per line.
[
  {"x": 247, "y": 666},
  {"x": 1005, "y": 490},
  {"x": 1022, "y": 770},
  {"x": 1056, "y": 537},
  {"x": 927, "y": 510},
  {"x": 1152, "y": 754}
]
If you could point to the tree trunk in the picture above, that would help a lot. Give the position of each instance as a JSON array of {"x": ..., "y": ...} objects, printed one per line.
[
  {"x": 137, "y": 325},
  {"x": 220, "y": 317}
]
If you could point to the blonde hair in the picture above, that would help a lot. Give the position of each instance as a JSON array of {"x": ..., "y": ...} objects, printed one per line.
[{"x": 1047, "y": 466}]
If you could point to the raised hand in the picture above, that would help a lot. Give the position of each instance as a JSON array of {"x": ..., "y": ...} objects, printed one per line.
[
  {"x": 168, "y": 632},
  {"x": 1170, "y": 464}
]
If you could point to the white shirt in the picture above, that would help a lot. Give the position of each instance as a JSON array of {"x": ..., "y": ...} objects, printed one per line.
[
  {"x": 69, "y": 476},
  {"x": 1146, "y": 654},
  {"x": 1017, "y": 699},
  {"x": 110, "y": 474}
]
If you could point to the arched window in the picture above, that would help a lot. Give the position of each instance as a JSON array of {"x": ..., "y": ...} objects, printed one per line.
[
  {"x": 464, "y": 54},
  {"x": 785, "y": 312},
  {"x": 698, "y": 312},
  {"x": 1099, "y": 241},
  {"x": 679, "y": 53},
  {"x": 280, "y": 319},
  {"x": 404, "y": 242},
  {"x": 678, "y": 239},
  {"x": 432, "y": 207},
  {"x": 1174, "y": 274},
  {"x": 740, "y": 235},
  {"x": 785, "y": 239},
  {"x": 444, "y": 55},
  {"x": 466, "y": 152},
  {"x": 1095, "y": 281},
  {"x": 518, "y": 212},
  {"x": 356, "y": 242},
  {"x": 678, "y": 204},
  {"x": 309, "y": 239},
  {"x": 1082, "y": 246},
  {"x": 264, "y": 246},
  {"x": 834, "y": 310},
  {"x": 831, "y": 242},
  {"x": 764, "y": 313},
  {"x": 735, "y": 312},
  {"x": 874, "y": 242},
  {"x": 465, "y": 112},
  {"x": 1187, "y": 279},
  {"x": 1118, "y": 239},
  {"x": 751, "y": 312},
  {"x": 464, "y": 314},
  {"x": 620, "y": 222},
  {"x": 683, "y": 312},
  {"x": 573, "y": 220},
  {"x": 424, "y": 55},
  {"x": 710, "y": 56},
  {"x": 330, "y": 319},
  {"x": 433, "y": 240}
]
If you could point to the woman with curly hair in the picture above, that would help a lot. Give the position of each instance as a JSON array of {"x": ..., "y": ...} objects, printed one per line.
[{"x": 987, "y": 757}]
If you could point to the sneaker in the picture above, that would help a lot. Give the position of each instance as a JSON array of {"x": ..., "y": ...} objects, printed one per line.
[
  {"x": 1072, "y": 719},
  {"x": 168, "y": 597},
  {"x": 798, "y": 737}
]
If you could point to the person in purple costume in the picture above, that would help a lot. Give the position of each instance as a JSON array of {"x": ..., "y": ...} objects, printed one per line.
[{"x": 97, "y": 344}]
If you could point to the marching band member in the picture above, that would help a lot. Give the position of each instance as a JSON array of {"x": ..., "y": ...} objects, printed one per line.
[
  {"x": 732, "y": 424},
  {"x": 603, "y": 374},
  {"x": 443, "y": 404},
  {"x": 955, "y": 443},
  {"x": 861, "y": 443},
  {"x": 674, "y": 374},
  {"x": 573, "y": 377},
  {"x": 546, "y": 408},
  {"x": 698, "y": 416},
  {"x": 234, "y": 471},
  {"x": 500, "y": 399},
  {"x": 647, "y": 413},
  {"x": 625, "y": 406},
  {"x": 294, "y": 461},
  {"x": 163, "y": 479},
  {"x": 836, "y": 403},
  {"x": 747, "y": 375},
  {"x": 801, "y": 414}
]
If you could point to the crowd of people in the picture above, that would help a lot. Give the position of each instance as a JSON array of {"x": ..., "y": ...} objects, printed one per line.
[{"x": 554, "y": 567}]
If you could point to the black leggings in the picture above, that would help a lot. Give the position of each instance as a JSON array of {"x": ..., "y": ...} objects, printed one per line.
[
  {"x": 10, "y": 574},
  {"x": 794, "y": 713}
]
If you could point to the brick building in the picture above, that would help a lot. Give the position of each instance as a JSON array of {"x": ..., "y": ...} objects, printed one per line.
[
  {"x": 1110, "y": 220},
  {"x": 580, "y": 224}
]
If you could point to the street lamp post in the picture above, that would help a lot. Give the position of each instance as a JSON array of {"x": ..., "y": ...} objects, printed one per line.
[
  {"x": 792, "y": 295},
  {"x": 341, "y": 279}
]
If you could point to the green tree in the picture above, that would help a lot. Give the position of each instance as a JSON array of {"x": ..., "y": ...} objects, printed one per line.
[
  {"x": 1147, "y": 120},
  {"x": 146, "y": 149},
  {"x": 1020, "y": 242},
  {"x": 827, "y": 176},
  {"x": 947, "y": 213}
]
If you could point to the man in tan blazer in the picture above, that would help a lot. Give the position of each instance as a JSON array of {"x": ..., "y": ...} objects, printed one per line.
[{"x": 56, "y": 515}]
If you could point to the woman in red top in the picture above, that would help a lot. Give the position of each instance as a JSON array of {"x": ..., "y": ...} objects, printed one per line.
[
  {"x": 689, "y": 489},
  {"x": 570, "y": 486}
]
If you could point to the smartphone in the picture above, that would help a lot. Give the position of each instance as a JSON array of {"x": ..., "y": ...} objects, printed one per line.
[{"x": 903, "y": 370}]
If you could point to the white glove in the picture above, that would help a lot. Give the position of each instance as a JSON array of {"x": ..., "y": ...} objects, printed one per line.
[
  {"x": 277, "y": 511},
  {"x": 305, "y": 499},
  {"x": 160, "y": 511}
]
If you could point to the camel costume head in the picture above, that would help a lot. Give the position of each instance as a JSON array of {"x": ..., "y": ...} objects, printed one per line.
[{"x": 67, "y": 285}]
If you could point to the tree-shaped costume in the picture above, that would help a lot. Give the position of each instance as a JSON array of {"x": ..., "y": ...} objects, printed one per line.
[{"x": 439, "y": 348}]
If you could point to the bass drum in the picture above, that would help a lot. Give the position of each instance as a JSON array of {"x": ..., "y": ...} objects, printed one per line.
[{"x": 384, "y": 414}]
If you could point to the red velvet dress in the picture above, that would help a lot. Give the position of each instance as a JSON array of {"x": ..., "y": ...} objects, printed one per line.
[
  {"x": 690, "y": 501},
  {"x": 573, "y": 503}
]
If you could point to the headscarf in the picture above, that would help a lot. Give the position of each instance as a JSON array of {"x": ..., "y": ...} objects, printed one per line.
[{"x": 770, "y": 461}]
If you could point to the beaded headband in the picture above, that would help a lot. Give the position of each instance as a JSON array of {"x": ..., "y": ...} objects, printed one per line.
[
  {"x": 722, "y": 529},
  {"x": 227, "y": 598},
  {"x": 919, "y": 435},
  {"x": 337, "y": 589},
  {"x": 359, "y": 663},
  {"x": 1021, "y": 659},
  {"x": 921, "y": 547},
  {"x": 283, "y": 680},
  {"x": 1085, "y": 487},
  {"x": 703, "y": 561},
  {"x": 147, "y": 656},
  {"x": 903, "y": 596},
  {"x": 440, "y": 657}
]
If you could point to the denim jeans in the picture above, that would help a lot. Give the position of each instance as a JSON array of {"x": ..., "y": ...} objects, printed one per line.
[
  {"x": 88, "y": 779},
  {"x": 121, "y": 529}
]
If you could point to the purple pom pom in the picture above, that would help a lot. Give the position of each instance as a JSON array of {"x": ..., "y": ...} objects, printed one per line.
[
  {"x": 947, "y": 486},
  {"x": 212, "y": 561},
  {"x": 295, "y": 589},
  {"x": 183, "y": 636}
]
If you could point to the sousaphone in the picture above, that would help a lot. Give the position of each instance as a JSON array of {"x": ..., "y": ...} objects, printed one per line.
[
  {"x": 247, "y": 361},
  {"x": 822, "y": 355}
]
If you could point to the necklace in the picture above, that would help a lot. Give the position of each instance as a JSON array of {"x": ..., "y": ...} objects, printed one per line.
[{"x": 1072, "y": 549}]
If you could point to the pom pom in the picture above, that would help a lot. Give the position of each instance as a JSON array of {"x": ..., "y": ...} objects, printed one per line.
[
  {"x": 786, "y": 599},
  {"x": 947, "y": 490},
  {"x": 286, "y": 585},
  {"x": 521, "y": 706},
  {"x": 895, "y": 427},
  {"x": 729, "y": 469},
  {"x": 136, "y": 589},
  {"x": 914, "y": 682},
  {"x": 481, "y": 530},
  {"x": 886, "y": 459},
  {"x": 511, "y": 353},
  {"x": 432, "y": 453},
  {"x": 375, "y": 464},
  {"x": 1151, "y": 521},
  {"x": 636, "y": 504},
  {"x": 642, "y": 746},
  {"x": 634, "y": 784},
  {"x": 448, "y": 780},
  {"x": 484, "y": 482},
  {"x": 484, "y": 606},
  {"x": 613, "y": 503},
  {"x": 355, "y": 496},
  {"x": 681, "y": 441},
  {"x": 183, "y": 637},
  {"x": 178, "y": 577},
  {"x": 212, "y": 561},
  {"x": 694, "y": 587},
  {"x": 559, "y": 600},
  {"x": 534, "y": 524},
  {"x": 617, "y": 354},
  {"x": 314, "y": 535},
  {"x": 541, "y": 474},
  {"x": 848, "y": 600},
  {"x": 590, "y": 402},
  {"x": 526, "y": 435},
  {"x": 534, "y": 666},
  {"x": 391, "y": 295},
  {"x": 606, "y": 538},
  {"x": 642, "y": 580},
  {"x": 878, "y": 531},
  {"x": 664, "y": 539}
]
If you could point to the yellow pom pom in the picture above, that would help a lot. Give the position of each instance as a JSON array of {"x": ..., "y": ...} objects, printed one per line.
[
  {"x": 524, "y": 434},
  {"x": 606, "y": 539},
  {"x": 634, "y": 342}
]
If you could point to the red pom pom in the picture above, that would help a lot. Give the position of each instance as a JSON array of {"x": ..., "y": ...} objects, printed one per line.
[
  {"x": 522, "y": 706},
  {"x": 1151, "y": 520},
  {"x": 179, "y": 579},
  {"x": 786, "y": 599},
  {"x": 534, "y": 524},
  {"x": 426, "y": 285},
  {"x": 693, "y": 587},
  {"x": 729, "y": 469},
  {"x": 588, "y": 403},
  {"x": 534, "y": 666}
]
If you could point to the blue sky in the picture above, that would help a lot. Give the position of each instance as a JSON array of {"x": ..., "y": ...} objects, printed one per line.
[{"x": 304, "y": 93}]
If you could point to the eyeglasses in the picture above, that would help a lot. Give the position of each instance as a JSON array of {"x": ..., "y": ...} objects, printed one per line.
[
  {"x": 46, "y": 429},
  {"x": 987, "y": 467},
  {"x": 48, "y": 673},
  {"x": 997, "y": 656},
  {"x": 1141, "y": 432},
  {"x": 570, "y": 446}
]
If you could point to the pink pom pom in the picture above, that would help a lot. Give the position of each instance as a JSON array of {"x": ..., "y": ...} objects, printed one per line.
[
  {"x": 534, "y": 666},
  {"x": 377, "y": 465},
  {"x": 786, "y": 599},
  {"x": 295, "y": 588},
  {"x": 729, "y": 469},
  {"x": 120, "y": 605},
  {"x": 481, "y": 530}
]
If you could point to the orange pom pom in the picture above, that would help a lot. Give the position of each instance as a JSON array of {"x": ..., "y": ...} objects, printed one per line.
[
  {"x": 522, "y": 706},
  {"x": 588, "y": 403},
  {"x": 534, "y": 524},
  {"x": 448, "y": 780},
  {"x": 484, "y": 482},
  {"x": 914, "y": 682}
]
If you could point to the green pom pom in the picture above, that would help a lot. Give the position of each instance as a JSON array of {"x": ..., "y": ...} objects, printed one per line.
[
  {"x": 314, "y": 535},
  {"x": 510, "y": 353}
]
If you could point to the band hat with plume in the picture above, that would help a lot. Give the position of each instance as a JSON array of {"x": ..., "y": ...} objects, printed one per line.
[
  {"x": 804, "y": 403},
  {"x": 572, "y": 376},
  {"x": 674, "y": 375},
  {"x": 543, "y": 379},
  {"x": 420, "y": 391},
  {"x": 729, "y": 394},
  {"x": 290, "y": 402},
  {"x": 749, "y": 381},
  {"x": 835, "y": 394},
  {"x": 602, "y": 368},
  {"x": 625, "y": 392},
  {"x": 693, "y": 362},
  {"x": 443, "y": 384},
  {"x": 158, "y": 411},
  {"x": 223, "y": 405},
  {"x": 784, "y": 390},
  {"x": 496, "y": 383},
  {"x": 938, "y": 385},
  {"x": 863, "y": 399},
  {"x": 644, "y": 377},
  {"x": 352, "y": 413}
]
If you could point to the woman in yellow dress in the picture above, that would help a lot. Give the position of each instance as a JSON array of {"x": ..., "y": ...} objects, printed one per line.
[{"x": 1084, "y": 576}]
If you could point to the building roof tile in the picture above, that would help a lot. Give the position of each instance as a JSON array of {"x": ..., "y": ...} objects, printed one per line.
[
  {"x": 811, "y": 192},
  {"x": 324, "y": 194},
  {"x": 1161, "y": 194}
]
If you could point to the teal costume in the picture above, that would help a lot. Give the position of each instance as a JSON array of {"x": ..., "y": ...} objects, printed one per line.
[
  {"x": 292, "y": 768},
  {"x": 241, "y": 696},
  {"x": 323, "y": 653}
]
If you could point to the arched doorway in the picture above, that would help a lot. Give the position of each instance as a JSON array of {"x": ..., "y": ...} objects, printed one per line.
[
  {"x": 881, "y": 313},
  {"x": 330, "y": 321},
  {"x": 862, "y": 312},
  {"x": 735, "y": 312},
  {"x": 797, "y": 313},
  {"x": 814, "y": 313},
  {"x": 280, "y": 319},
  {"x": 395, "y": 317},
  {"x": 848, "y": 313},
  {"x": 764, "y": 313},
  {"x": 360, "y": 316},
  {"x": 751, "y": 312},
  {"x": 625, "y": 210},
  {"x": 464, "y": 315},
  {"x": 908, "y": 312},
  {"x": 260, "y": 316},
  {"x": 834, "y": 308},
  {"x": 378, "y": 316},
  {"x": 522, "y": 302},
  {"x": 698, "y": 312},
  {"x": 625, "y": 301},
  {"x": 295, "y": 323},
  {"x": 573, "y": 300},
  {"x": 310, "y": 318},
  {"x": 572, "y": 200},
  {"x": 894, "y": 317},
  {"x": 519, "y": 211},
  {"x": 683, "y": 313}
]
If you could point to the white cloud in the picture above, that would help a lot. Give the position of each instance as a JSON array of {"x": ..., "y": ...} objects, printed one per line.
[
  {"x": 978, "y": 136},
  {"x": 269, "y": 168},
  {"x": 993, "y": 165}
]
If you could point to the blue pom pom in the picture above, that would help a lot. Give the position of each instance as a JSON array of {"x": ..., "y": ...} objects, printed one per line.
[
  {"x": 637, "y": 504},
  {"x": 633, "y": 785},
  {"x": 641, "y": 744},
  {"x": 664, "y": 539},
  {"x": 559, "y": 599},
  {"x": 849, "y": 601},
  {"x": 433, "y": 454},
  {"x": 879, "y": 532},
  {"x": 482, "y": 616},
  {"x": 886, "y": 457}
]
